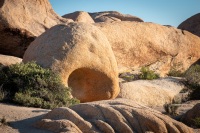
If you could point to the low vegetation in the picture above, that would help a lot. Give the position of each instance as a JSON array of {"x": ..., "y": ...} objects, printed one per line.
[
  {"x": 148, "y": 74},
  {"x": 197, "y": 122},
  {"x": 192, "y": 76},
  {"x": 31, "y": 85},
  {"x": 175, "y": 73},
  {"x": 145, "y": 74}
]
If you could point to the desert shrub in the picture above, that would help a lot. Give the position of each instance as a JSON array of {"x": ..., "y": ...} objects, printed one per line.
[
  {"x": 197, "y": 122},
  {"x": 129, "y": 77},
  {"x": 175, "y": 73},
  {"x": 148, "y": 74},
  {"x": 31, "y": 85},
  {"x": 192, "y": 76}
]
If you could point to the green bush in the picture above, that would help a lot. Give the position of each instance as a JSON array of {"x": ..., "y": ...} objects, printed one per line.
[
  {"x": 192, "y": 76},
  {"x": 31, "y": 85},
  {"x": 148, "y": 74},
  {"x": 175, "y": 73},
  {"x": 197, "y": 122}
]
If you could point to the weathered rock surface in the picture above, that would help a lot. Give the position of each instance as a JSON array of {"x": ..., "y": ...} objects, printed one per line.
[
  {"x": 110, "y": 16},
  {"x": 137, "y": 44},
  {"x": 83, "y": 57},
  {"x": 151, "y": 92},
  {"x": 191, "y": 24},
  {"x": 9, "y": 60},
  {"x": 79, "y": 16},
  {"x": 189, "y": 117},
  {"x": 23, "y": 20},
  {"x": 119, "y": 115}
]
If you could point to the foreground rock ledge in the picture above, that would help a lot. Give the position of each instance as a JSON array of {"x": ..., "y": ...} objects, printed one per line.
[
  {"x": 83, "y": 57},
  {"x": 110, "y": 116}
]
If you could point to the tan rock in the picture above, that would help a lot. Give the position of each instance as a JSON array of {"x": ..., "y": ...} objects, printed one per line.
[
  {"x": 82, "y": 56},
  {"x": 110, "y": 16},
  {"x": 79, "y": 16},
  {"x": 59, "y": 126},
  {"x": 23, "y": 20},
  {"x": 119, "y": 115},
  {"x": 190, "y": 115},
  {"x": 137, "y": 44},
  {"x": 191, "y": 24},
  {"x": 9, "y": 60},
  {"x": 151, "y": 92}
]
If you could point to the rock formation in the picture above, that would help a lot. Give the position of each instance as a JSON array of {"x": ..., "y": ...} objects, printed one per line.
[
  {"x": 120, "y": 115},
  {"x": 110, "y": 16},
  {"x": 151, "y": 92},
  {"x": 83, "y": 57},
  {"x": 191, "y": 24},
  {"x": 23, "y": 20},
  {"x": 79, "y": 16},
  {"x": 137, "y": 44},
  {"x": 9, "y": 60},
  {"x": 190, "y": 115}
]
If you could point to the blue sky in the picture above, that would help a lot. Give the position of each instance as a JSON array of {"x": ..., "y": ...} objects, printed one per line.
[{"x": 165, "y": 12}]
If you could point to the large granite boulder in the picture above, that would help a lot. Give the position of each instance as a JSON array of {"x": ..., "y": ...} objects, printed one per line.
[
  {"x": 190, "y": 115},
  {"x": 110, "y": 16},
  {"x": 79, "y": 16},
  {"x": 137, "y": 44},
  {"x": 191, "y": 24},
  {"x": 9, "y": 60},
  {"x": 82, "y": 56},
  {"x": 110, "y": 116},
  {"x": 151, "y": 92},
  {"x": 23, "y": 20}
]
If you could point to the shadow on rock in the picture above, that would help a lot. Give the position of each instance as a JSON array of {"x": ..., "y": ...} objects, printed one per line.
[
  {"x": 1, "y": 3},
  {"x": 27, "y": 125}
]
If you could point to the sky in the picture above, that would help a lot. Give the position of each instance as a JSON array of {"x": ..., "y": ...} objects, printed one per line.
[{"x": 164, "y": 12}]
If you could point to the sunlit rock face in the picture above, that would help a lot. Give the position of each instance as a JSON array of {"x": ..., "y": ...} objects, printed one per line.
[
  {"x": 23, "y": 20},
  {"x": 82, "y": 56}
]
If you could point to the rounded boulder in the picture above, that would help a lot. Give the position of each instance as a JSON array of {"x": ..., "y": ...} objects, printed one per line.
[{"x": 82, "y": 56}]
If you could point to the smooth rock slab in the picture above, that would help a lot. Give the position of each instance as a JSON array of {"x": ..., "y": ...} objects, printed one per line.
[
  {"x": 151, "y": 92},
  {"x": 137, "y": 44}
]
